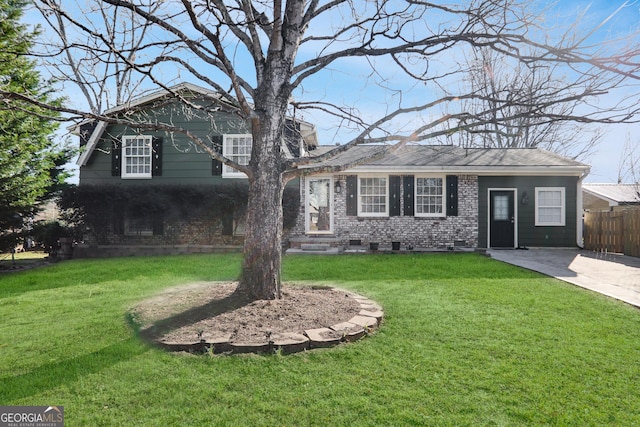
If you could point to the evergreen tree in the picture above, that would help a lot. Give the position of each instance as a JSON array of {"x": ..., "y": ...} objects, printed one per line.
[{"x": 30, "y": 161}]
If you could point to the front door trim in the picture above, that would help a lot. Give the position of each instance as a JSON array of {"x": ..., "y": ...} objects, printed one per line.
[
  {"x": 328, "y": 220},
  {"x": 515, "y": 214}
]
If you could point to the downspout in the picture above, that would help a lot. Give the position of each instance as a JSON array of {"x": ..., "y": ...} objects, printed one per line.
[{"x": 580, "y": 210}]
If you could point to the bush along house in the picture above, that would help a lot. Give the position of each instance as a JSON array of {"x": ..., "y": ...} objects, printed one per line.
[
  {"x": 442, "y": 197},
  {"x": 152, "y": 192}
]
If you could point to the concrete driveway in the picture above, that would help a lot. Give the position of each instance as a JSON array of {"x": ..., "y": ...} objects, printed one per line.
[{"x": 617, "y": 276}]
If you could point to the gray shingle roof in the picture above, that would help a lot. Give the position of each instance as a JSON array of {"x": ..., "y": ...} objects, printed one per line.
[{"x": 453, "y": 157}]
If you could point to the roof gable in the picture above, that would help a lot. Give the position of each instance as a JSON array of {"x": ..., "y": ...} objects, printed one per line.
[
  {"x": 185, "y": 89},
  {"x": 305, "y": 130}
]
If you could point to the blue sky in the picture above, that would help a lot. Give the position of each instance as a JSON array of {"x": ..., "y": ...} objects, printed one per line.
[
  {"x": 605, "y": 161},
  {"x": 361, "y": 94},
  {"x": 607, "y": 156}
]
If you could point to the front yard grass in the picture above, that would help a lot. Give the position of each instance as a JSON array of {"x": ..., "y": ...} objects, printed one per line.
[{"x": 466, "y": 341}]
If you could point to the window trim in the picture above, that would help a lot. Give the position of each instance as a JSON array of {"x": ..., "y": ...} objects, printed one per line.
[
  {"x": 148, "y": 139},
  {"x": 563, "y": 207},
  {"x": 386, "y": 195},
  {"x": 227, "y": 171},
  {"x": 443, "y": 199}
]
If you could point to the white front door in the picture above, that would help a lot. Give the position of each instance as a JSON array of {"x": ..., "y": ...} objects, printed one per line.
[{"x": 319, "y": 206}]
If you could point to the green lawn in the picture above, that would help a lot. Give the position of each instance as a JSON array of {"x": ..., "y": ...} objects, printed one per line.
[{"x": 466, "y": 341}]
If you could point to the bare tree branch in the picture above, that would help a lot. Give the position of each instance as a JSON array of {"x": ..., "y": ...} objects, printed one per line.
[{"x": 259, "y": 55}]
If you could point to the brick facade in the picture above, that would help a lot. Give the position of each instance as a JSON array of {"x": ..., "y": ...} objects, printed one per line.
[
  {"x": 195, "y": 235},
  {"x": 197, "y": 230},
  {"x": 417, "y": 232}
]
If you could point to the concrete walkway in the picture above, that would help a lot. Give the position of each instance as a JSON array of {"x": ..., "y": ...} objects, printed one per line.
[{"x": 617, "y": 276}]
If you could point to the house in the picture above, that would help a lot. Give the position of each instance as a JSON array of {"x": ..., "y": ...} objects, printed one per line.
[
  {"x": 150, "y": 191},
  {"x": 610, "y": 197},
  {"x": 444, "y": 197}
]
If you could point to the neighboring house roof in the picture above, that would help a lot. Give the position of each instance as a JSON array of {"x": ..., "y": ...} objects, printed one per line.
[
  {"x": 307, "y": 130},
  {"x": 614, "y": 194},
  {"x": 449, "y": 158}
]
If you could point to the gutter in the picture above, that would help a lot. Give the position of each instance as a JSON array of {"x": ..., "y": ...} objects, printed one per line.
[
  {"x": 489, "y": 170},
  {"x": 580, "y": 210}
]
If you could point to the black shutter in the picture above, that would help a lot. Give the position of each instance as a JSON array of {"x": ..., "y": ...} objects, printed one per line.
[
  {"x": 216, "y": 165},
  {"x": 156, "y": 156},
  {"x": 452, "y": 195},
  {"x": 409, "y": 183},
  {"x": 394, "y": 195},
  {"x": 116, "y": 158},
  {"x": 352, "y": 195}
]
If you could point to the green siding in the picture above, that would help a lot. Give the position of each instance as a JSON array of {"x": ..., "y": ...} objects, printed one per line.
[
  {"x": 530, "y": 235},
  {"x": 182, "y": 161}
]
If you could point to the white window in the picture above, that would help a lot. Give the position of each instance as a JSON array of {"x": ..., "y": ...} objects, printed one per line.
[
  {"x": 136, "y": 156},
  {"x": 238, "y": 149},
  {"x": 372, "y": 200},
  {"x": 429, "y": 199},
  {"x": 550, "y": 206}
]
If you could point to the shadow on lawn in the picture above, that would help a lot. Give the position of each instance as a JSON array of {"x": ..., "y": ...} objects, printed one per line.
[
  {"x": 68, "y": 371},
  {"x": 191, "y": 316}
]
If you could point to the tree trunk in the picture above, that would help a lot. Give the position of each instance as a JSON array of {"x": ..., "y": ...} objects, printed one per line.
[
  {"x": 260, "y": 276},
  {"x": 261, "y": 267}
]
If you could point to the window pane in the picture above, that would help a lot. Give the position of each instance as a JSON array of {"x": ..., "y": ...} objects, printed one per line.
[
  {"x": 550, "y": 198},
  {"x": 319, "y": 205},
  {"x": 550, "y": 206},
  {"x": 501, "y": 208},
  {"x": 429, "y": 195},
  {"x": 551, "y": 215},
  {"x": 137, "y": 156},
  {"x": 373, "y": 195},
  {"x": 238, "y": 149}
]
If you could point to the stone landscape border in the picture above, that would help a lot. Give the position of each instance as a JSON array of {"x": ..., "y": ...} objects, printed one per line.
[{"x": 364, "y": 323}]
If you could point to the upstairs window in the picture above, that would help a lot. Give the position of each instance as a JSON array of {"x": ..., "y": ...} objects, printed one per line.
[
  {"x": 238, "y": 149},
  {"x": 429, "y": 199},
  {"x": 136, "y": 156},
  {"x": 550, "y": 206}
]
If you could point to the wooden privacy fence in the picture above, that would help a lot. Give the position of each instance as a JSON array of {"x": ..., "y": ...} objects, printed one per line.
[{"x": 617, "y": 231}]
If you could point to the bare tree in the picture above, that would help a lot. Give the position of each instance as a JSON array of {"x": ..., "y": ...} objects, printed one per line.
[
  {"x": 100, "y": 67},
  {"x": 629, "y": 164},
  {"x": 526, "y": 105},
  {"x": 261, "y": 56}
]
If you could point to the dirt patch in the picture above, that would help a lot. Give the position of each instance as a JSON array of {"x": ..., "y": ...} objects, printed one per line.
[{"x": 210, "y": 310}]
